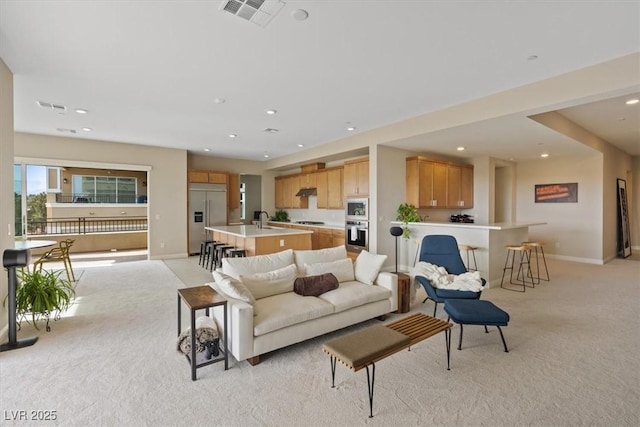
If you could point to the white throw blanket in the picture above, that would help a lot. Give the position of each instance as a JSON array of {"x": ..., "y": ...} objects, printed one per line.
[
  {"x": 440, "y": 279},
  {"x": 206, "y": 331}
]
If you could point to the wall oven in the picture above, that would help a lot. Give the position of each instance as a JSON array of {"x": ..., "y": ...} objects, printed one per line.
[
  {"x": 357, "y": 210},
  {"x": 357, "y": 236}
]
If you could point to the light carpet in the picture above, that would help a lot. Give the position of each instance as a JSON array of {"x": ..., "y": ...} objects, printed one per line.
[{"x": 573, "y": 361}]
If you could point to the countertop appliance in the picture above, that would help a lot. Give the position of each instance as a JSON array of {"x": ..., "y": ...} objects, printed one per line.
[
  {"x": 357, "y": 236},
  {"x": 357, "y": 209},
  {"x": 207, "y": 207},
  {"x": 461, "y": 218}
]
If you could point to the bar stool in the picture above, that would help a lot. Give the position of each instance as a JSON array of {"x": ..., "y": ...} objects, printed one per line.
[
  {"x": 210, "y": 254},
  {"x": 537, "y": 245},
  {"x": 472, "y": 249},
  {"x": 236, "y": 253},
  {"x": 220, "y": 253},
  {"x": 203, "y": 249},
  {"x": 525, "y": 260}
]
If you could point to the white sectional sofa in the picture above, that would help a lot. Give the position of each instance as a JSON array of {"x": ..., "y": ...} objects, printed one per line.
[{"x": 265, "y": 314}]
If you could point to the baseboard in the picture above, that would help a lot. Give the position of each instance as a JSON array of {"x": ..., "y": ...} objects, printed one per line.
[
  {"x": 576, "y": 259},
  {"x": 169, "y": 256},
  {"x": 4, "y": 333}
]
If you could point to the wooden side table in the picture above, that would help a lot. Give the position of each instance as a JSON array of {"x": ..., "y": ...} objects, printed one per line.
[
  {"x": 199, "y": 298},
  {"x": 404, "y": 293}
]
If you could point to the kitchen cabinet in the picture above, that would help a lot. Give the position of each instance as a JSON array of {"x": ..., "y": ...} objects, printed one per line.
[
  {"x": 435, "y": 184},
  {"x": 233, "y": 191},
  {"x": 279, "y": 190},
  {"x": 329, "y": 188},
  {"x": 209, "y": 177},
  {"x": 295, "y": 201},
  {"x": 356, "y": 178},
  {"x": 459, "y": 186},
  {"x": 308, "y": 180},
  {"x": 286, "y": 193}
]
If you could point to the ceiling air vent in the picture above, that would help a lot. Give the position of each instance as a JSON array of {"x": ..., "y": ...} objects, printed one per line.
[
  {"x": 65, "y": 130},
  {"x": 260, "y": 12},
  {"x": 60, "y": 109}
]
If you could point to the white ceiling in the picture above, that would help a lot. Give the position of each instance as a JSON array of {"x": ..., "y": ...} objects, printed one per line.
[{"x": 149, "y": 72}]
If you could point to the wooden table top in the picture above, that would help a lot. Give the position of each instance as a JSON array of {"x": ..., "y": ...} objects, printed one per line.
[
  {"x": 199, "y": 297},
  {"x": 419, "y": 327}
]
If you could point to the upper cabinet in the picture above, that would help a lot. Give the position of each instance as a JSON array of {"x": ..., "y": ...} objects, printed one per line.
[
  {"x": 207, "y": 177},
  {"x": 329, "y": 185},
  {"x": 233, "y": 193},
  {"x": 356, "y": 178},
  {"x": 435, "y": 184}
]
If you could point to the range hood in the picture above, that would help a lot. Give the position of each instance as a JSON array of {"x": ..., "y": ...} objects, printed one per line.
[{"x": 306, "y": 192}]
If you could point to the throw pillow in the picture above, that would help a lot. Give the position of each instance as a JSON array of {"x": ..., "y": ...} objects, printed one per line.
[
  {"x": 318, "y": 255},
  {"x": 315, "y": 285},
  {"x": 368, "y": 266},
  {"x": 233, "y": 288},
  {"x": 262, "y": 285},
  {"x": 342, "y": 269}
]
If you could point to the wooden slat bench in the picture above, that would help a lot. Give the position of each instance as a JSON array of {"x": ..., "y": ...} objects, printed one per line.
[{"x": 364, "y": 348}]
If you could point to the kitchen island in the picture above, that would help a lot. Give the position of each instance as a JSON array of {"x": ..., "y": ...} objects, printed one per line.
[
  {"x": 490, "y": 239},
  {"x": 261, "y": 241}
]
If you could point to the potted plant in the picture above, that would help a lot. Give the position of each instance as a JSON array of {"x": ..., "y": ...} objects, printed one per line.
[
  {"x": 41, "y": 293},
  {"x": 407, "y": 213},
  {"x": 280, "y": 216}
]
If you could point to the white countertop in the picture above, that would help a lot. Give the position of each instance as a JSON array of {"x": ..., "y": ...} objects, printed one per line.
[
  {"x": 492, "y": 226},
  {"x": 254, "y": 231},
  {"x": 328, "y": 226}
]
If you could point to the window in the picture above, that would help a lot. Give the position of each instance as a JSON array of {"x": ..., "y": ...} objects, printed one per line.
[{"x": 103, "y": 189}]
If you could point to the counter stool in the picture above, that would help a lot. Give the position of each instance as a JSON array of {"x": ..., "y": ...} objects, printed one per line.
[
  {"x": 203, "y": 249},
  {"x": 525, "y": 262},
  {"x": 220, "y": 253},
  {"x": 472, "y": 249},
  {"x": 210, "y": 254},
  {"x": 236, "y": 253},
  {"x": 537, "y": 245}
]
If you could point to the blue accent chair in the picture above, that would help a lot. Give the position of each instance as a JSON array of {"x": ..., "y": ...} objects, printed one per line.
[{"x": 442, "y": 250}]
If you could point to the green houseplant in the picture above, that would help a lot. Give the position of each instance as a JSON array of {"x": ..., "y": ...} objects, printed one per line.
[
  {"x": 407, "y": 213},
  {"x": 41, "y": 293},
  {"x": 280, "y": 216}
]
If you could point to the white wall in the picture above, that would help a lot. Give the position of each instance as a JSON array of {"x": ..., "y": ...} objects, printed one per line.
[
  {"x": 575, "y": 227},
  {"x": 7, "y": 213},
  {"x": 166, "y": 186}
]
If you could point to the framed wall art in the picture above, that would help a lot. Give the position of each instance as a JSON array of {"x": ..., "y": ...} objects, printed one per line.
[
  {"x": 556, "y": 193},
  {"x": 624, "y": 244}
]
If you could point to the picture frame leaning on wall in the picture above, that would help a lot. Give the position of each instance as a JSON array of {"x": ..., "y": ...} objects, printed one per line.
[{"x": 624, "y": 243}]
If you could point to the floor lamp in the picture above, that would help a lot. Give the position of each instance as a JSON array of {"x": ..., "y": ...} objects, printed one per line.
[{"x": 396, "y": 232}]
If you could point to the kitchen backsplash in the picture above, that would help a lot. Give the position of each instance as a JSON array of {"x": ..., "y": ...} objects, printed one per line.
[{"x": 328, "y": 216}]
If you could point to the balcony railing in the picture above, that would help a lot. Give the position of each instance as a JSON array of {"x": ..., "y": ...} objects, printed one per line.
[
  {"x": 100, "y": 198},
  {"x": 84, "y": 225}
]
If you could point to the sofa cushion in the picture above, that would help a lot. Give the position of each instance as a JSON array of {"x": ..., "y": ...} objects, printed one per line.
[
  {"x": 367, "y": 267},
  {"x": 262, "y": 285},
  {"x": 312, "y": 286},
  {"x": 234, "y": 267},
  {"x": 354, "y": 294},
  {"x": 279, "y": 311},
  {"x": 318, "y": 255},
  {"x": 342, "y": 269},
  {"x": 233, "y": 287}
]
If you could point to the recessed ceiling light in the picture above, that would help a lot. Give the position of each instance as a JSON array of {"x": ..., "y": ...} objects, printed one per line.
[
  {"x": 544, "y": 155},
  {"x": 81, "y": 111},
  {"x": 272, "y": 112},
  {"x": 300, "y": 145},
  {"x": 266, "y": 156},
  {"x": 351, "y": 128},
  {"x": 207, "y": 149},
  {"x": 632, "y": 101},
  {"x": 460, "y": 148},
  {"x": 232, "y": 135},
  {"x": 87, "y": 129},
  {"x": 219, "y": 100}
]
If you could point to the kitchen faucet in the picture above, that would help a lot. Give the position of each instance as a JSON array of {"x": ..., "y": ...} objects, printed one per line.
[{"x": 260, "y": 218}]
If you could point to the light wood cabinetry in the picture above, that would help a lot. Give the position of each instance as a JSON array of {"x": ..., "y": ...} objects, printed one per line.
[
  {"x": 308, "y": 180},
  {"x": 459, "y": 186},
  {"x": 279, "y": 190},
  {"x": 208, "y": 177},
  {"x": 356, "y": 178},
  {"x": 434, "y": 184},
  {"x": 217, "y": 178},
  {"x": 297, "y": 202},
  {"x": 233, "y": 193},
  {"x": 198, "y": 176},
  {"x": 329, "y": 188}
]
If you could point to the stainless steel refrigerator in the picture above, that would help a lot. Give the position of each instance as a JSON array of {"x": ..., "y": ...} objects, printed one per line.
[{"x": 207, "y": 207}]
